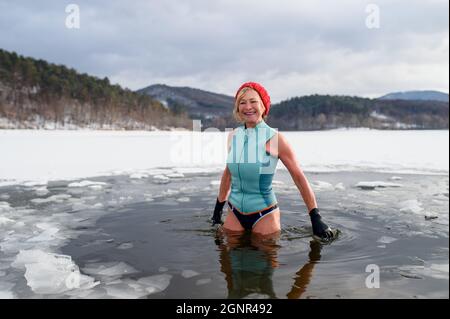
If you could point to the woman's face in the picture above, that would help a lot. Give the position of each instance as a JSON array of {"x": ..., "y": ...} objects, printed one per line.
[{"x": 250, "y": 107}]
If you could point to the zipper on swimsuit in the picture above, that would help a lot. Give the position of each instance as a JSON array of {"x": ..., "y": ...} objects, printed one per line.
[{"x": 239, "y": 171}]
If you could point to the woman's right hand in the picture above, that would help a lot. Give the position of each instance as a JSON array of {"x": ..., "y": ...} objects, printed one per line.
[{"x": 217, "y": 216}]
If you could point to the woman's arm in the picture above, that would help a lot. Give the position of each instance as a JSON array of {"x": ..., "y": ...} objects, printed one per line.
[
  {"x": 225, "y": 181},
  {"x": 289, "y": 159},
  {"x": 287, "y": 156},
  {"x": 225, "y": 186}
]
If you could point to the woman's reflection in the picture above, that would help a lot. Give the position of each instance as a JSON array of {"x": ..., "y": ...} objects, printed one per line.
[{"x": 248, "y": 261}]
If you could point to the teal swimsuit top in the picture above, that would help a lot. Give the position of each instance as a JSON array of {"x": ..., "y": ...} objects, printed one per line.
[{"x": 252, "y": 169}]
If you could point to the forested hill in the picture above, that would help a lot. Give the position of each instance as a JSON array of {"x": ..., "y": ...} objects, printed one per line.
[
  {"x": 313, "y": 112},
  {"x": 316, "y": 112},
  {"x": 38, "y": 94}
]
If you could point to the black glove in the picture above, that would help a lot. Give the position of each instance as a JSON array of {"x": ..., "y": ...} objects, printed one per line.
[
  {"x": 320, "y": 229},
  {"x": 217, "y": 216}
]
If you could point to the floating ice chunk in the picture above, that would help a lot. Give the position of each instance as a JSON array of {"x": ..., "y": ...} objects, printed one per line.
[
  {"x": 170, "y": 192},
  {"x": 413, "y": 206},
  {"x": 124, "y": 291},
  {"x": 125, "y": 246},
  {"x": 203, "y": 281},
  {"x": 109, "y": 269},
  {"x": 189, "y": 273},
  {"x": 138, "y": 176},
  {"x": 80, "y": 206},
  {"x": 98, "y": 205},
  {"x": 41, "y": 191},
  {"x": 386, "y": 240},
  {"x": 48, "y": 233},
  {"x": 183, "y": 199},
  {"x": 4, "y": 196},
  {"x": 161, "y": 179},
  {"x": 396, "y": 178},
  {"x": 6, "y": 294},
  {"x": 375, "y": 184},
  {"x": 175, "y": 175},
  {"x": 215, "y": 183},
  {"x": 163, "y": 269},
  {"x": 188, "y": 189},
  {"x": 159, "y": 171},
  {"x": 85, "y": 183},
  {"x": 4, "y": 207},
  {"x": 411, "y": 271},
  {"x": 439, "y": 271},
  {"x": 339, "y": 186},
  {"x": 35, "y": 183},
  {"x": 96, "y": 187},
  {"x": 322, "y": 186},
  {"x": 55, "y": 198},
  {"x": 156, "y": 283},
  {"x": 48, "y": 273},
  {"x": 4, "y": 221},
  {"x": 6, "y": 290}
]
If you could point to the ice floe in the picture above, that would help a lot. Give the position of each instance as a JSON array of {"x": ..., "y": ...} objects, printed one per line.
[
  {"x": 138, "y": 176},
  {"x": 155, "y": 283},
  {"x": 412, "y": 205},
  {"x": 4, "y": 206},
  {"x": 54, "y": 198},
  {"x": 41, "y": 191},
  {"x": 322, "y": 186},
  {"x": 5, "y": 221},
  {"x": 49, "y": 273},
  {"x": 214, "y": 183},
  {"x": 376, "y": 184},
  {"x": 386, "y": 240},
  {"x": 187, "y": 273},
  {"x": 203, "y": 281},
  {"x": 161, "y": 179},
  {"x": 124, "y": 246},
  {"x": 111, "y": 269},
  {"x": 86, "y": 183}
]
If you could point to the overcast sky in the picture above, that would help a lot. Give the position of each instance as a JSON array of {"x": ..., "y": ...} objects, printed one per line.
[{"x": 292, "y": 47}]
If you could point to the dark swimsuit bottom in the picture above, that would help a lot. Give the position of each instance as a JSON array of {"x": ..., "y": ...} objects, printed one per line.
[{"x": 248, "y": 221}]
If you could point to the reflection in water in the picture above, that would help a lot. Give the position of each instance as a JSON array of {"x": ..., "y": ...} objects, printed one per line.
[{"x": 248, "y": 261}]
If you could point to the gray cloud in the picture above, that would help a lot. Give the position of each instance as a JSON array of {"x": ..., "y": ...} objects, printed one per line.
[{"x": 292, "y": 47}]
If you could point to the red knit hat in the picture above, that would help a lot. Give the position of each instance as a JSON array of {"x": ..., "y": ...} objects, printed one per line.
[{"x": 265, "y": 98}]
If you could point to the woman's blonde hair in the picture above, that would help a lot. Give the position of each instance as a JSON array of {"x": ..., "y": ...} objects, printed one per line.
[{"x": 239, "y": 96}]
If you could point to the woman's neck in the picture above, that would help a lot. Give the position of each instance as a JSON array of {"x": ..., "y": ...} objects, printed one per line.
[{"x": 252, "y": 124}]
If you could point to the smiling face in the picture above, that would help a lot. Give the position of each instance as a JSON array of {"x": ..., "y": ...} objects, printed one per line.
[{"x": 250, "y": 108}]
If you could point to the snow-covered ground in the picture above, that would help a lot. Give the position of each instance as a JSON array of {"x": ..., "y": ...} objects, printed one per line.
[{"x": 40, "y": 156}]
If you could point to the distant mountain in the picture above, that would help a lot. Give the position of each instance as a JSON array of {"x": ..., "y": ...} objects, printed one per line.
[
  {"x": 417, "y": 95},
  {"x": 38, "y": 94},
  {"x": 197, "y": 103}
]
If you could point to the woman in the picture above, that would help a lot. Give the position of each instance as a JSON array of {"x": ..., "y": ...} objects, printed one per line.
[{"x": 253, "y": 152}]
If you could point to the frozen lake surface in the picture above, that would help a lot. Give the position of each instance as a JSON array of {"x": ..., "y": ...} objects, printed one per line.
[{"x": 126, "y": 215}]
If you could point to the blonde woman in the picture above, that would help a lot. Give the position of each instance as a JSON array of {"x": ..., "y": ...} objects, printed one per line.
[{"x": 253, "y": 152}]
